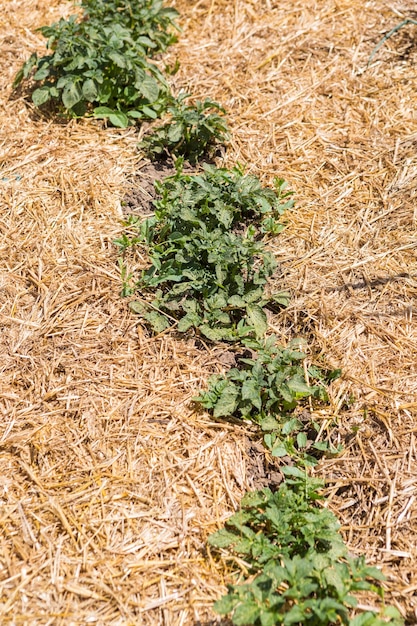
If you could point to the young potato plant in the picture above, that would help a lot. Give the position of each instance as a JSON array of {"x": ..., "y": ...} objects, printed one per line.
[
  {"x": 194, "y": 131},
  {"x": 209, "y": 266},
  {"x": 266, "y": 389},
  {"x": 299, "y": 571},
  {"x": 98, "y": 69}
]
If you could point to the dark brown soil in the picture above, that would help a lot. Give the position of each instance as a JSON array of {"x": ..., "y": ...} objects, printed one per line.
[{"x": 139, "y": 198}]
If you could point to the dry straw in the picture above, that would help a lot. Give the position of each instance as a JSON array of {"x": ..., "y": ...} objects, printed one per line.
[{"x": 109, "y": 482}]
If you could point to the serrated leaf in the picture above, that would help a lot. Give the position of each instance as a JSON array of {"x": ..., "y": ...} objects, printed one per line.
[
  {"x": 258, "y": 319},
  {"x": 246, "y": 613},
  {"x": 225, "y": 605}
]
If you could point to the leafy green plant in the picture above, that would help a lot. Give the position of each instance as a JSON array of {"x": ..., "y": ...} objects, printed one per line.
[
  {"x": 298, "y": 568},
  {"x": 98, "y": 68},
  {"x": 194, "y": 131},
  {"x": 209, "y": 266},
  {"x": 151, "y": 24},
  {"x": 266, "y": 389}
]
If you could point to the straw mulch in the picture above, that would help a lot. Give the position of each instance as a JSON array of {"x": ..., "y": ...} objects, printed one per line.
[{"x": 109, "y": 481}]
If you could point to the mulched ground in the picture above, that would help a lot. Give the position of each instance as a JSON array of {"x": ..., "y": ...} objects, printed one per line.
[{"x": 110, "y": 481}]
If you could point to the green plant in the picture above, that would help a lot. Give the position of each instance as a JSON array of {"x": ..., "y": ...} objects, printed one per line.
[
  {"x": 98, "y": 68},
  {"x": 193, "y": 131},
  {"x": 151, "y": 24},
  {"x": 266, "y": 389},
  {"x": 298, "y": 568},
  {"x": 209, "y": 266}
]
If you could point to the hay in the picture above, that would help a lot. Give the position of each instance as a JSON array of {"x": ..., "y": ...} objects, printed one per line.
[{"x": 109, "y": 482}]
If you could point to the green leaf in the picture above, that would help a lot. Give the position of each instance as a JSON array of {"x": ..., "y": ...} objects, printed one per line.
[
  {"x": 246, "y": 613},
  {"x": 225, "y": 605},
  {"x": 42, "y": 73},
  {"x": 227, "y": 403},
  {"x": 237, "y": 301},
  {"x": 294, "y": 472},
  {"x": 90, "y": 90},
  {"x": 71, "y": 95},
  {"x": 283, "y": 298},
  {"x": 149, "y": 88},
  {"x": 258, "y": 319},
  {"x": 137, "y": 115},
  {"x": 149, "y": 113},
  {"x": 138, "y": 307},
  {"x": 301, "y": 440},
  {"x": 290, "y": 425},
  {"x": 298, "y": 385},
  {"x": 222, "y": 538},
  {"x": 118, "y": 59},
  {"x": 158, "y": 322},
  {"x": 216, "y": 334},
  {"x": 251, "y": 391},
  {"x": 175, "y": 133},
  {"x": 103, "y": 112},
  {"x": 119, "y": 119},
  {"x": 279, "y": 450},
  {"x": 40, "y": 96},
  {"x": 189, "y": 320}
]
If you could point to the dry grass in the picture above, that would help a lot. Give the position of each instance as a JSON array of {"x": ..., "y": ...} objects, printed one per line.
[{"x": 109, "y": 483}]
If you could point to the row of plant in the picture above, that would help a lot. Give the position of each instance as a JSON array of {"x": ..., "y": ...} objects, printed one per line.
[
  {"x": 209, "y": 276},
  {"x": 105, "y": 62}
]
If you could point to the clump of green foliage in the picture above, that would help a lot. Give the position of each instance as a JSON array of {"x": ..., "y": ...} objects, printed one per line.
[
  {"x": 266, "y": 388},
  {"x": 209, "y": 265},
  {"x": 151, "y": 24},
  {"x": 99, "y": 62},
  {"x": 299, "y": 571},
  {"x": 194, "y": 131}
]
